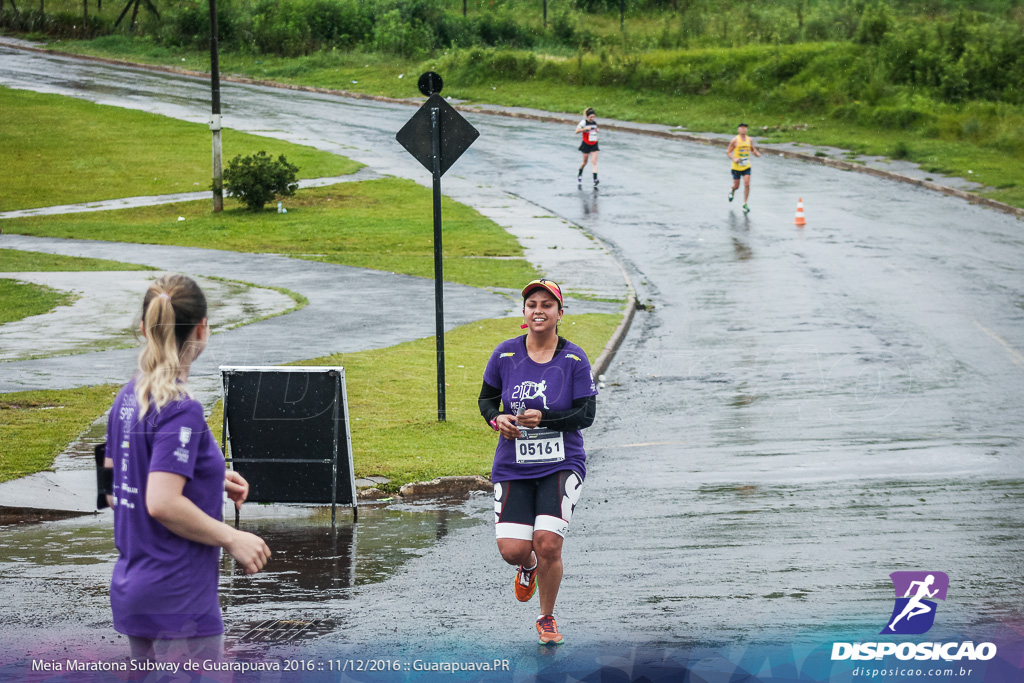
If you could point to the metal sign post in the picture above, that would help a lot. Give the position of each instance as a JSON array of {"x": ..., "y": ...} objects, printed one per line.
[
  {"x": 435, "y": 146},
  {"x": 436, "y": 136}
]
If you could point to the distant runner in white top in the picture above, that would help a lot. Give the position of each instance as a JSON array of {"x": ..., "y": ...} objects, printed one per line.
[{"x": 588, "y": 127}]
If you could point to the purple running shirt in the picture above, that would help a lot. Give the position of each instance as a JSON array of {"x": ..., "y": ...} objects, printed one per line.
[
  {"x": 526, "y": 384},
  {"x": 164, "y": 586}
]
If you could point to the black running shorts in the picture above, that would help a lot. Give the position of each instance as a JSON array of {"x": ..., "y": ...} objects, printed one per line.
[
  {"x": 587, "y": 149},
  {"x": 736, "y": 175},
  {"x": 546, "y": 504}
]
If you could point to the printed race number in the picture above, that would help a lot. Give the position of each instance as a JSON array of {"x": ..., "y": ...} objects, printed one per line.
[{"x": 538, "y": 445}]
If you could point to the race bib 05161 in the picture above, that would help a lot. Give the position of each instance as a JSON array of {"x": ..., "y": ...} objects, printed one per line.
[{"x": 538, "y": 445}]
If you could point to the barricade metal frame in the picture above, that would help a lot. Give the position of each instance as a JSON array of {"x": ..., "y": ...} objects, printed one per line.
[{"x": 340, "y": 404}]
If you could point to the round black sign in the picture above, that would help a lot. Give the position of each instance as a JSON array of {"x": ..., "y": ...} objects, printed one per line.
[{"x": 430, "y": 83}]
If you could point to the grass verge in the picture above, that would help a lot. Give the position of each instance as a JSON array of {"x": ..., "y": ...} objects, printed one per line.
[
  {"x": 23, "y": 299},
  {"x": 394, "y": 425},
  {"x": 35, "y": 426},
  {"x": 393, "y": 409},
  {"x": 167, "y": 155},
  {"x": 382, "y": 224},
  {"x": 18, "y": 261}
]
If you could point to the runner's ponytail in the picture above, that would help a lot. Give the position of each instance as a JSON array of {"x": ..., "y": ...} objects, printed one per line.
[{"x": 171, "y": 309}]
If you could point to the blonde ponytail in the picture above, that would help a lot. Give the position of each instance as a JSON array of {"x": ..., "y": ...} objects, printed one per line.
[{"x": 171, "y": 309}]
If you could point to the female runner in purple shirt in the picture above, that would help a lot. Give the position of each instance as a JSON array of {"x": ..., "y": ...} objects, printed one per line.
[
  {"x": 538, "y": 393},
  {"x": 168, "y": 491}
]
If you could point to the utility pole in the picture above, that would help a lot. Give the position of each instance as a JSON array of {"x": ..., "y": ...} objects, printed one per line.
[{"x": 218, "y": 181}]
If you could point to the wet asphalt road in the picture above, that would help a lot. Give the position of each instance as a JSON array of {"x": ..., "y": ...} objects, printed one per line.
[{"x": 802, "y": 412}]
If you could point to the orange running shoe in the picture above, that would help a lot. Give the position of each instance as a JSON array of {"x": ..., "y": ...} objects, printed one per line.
[
  {"x": 526, "y": 583},
  {"x": 548, "y": 630}
]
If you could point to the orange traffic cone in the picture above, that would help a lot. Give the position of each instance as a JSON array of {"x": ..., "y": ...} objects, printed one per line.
[{"x": 800, "y": 220}]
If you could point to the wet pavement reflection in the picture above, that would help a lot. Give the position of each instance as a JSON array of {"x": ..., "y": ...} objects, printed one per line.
[
  {"x": 313, "y": 565},
  {"x": 312, "y": 560}
]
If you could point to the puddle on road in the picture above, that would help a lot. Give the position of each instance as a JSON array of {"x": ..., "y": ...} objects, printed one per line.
[
  {"x": 312, "y": 561},
  {"x": 312, "y": 565}
]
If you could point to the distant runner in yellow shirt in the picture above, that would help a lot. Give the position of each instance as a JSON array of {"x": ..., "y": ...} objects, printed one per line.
[{"x": 739, "y": 153}]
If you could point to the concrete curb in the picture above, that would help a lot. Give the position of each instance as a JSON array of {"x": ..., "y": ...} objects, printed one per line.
[
  {"x": 669, "y": 135},
  {"x": 440, "y": 487},
  {"x": 604, "y": 359},
  {"x": 444, "y": 487}
]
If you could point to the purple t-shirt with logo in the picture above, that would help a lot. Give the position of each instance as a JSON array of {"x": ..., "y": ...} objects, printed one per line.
[
  {"x": 164, "y": 586},
  {"x": 526, "y": 384}
]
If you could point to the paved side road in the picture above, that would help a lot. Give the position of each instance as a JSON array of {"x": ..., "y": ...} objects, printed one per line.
[
  {"x": 105, "y": 312},
  {"x": 347, "y": 311}
]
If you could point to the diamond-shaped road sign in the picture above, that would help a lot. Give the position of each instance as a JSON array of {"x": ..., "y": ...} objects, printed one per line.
[{"x": 457, "y": 134}]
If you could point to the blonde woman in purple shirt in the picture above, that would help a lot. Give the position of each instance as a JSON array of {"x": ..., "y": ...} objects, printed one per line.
[
  {"x": 538, "y": 393},
  {"x": 169, "y": 483}
]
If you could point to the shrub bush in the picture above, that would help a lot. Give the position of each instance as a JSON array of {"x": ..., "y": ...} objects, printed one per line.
[
  {"x": 337, "y": 24},
  {"x": 564, "y": 23},
  {"x": 874, "y": 24},
  {"x": 59, "y": 25},
  {"x": 902, "y": 117},
  {"x": 502, "y": 29},
  {"x": 257, "y": 179},
  {"x": 187, "y": 24},
  {"x": 394, "y": 35}
]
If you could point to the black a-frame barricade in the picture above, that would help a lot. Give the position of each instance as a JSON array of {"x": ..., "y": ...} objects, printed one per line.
[{"x": 286, "y": 430}]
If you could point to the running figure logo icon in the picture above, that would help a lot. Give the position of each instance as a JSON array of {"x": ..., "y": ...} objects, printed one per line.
[
  {"x": 528, "y": 390},
  {"x": 914, "y": 611}
]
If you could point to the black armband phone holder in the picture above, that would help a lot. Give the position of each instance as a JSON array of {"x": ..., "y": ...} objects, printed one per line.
[{"x": 104, "y": 476}]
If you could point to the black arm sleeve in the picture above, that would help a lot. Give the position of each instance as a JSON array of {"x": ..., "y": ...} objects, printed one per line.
[
  {"x": 580, "y": 416},
  {"x": 489, "y": 402}
]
